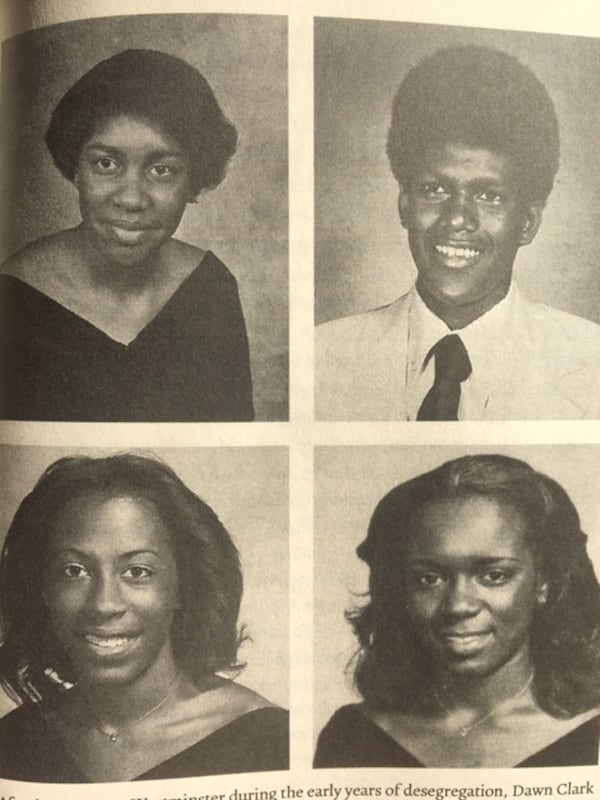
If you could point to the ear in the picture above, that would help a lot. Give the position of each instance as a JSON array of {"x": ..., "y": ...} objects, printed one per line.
[
  {"x": 532, "y": 219},
  {"x": 541, "y": 594},
  {"x": 403, "y": 203}
]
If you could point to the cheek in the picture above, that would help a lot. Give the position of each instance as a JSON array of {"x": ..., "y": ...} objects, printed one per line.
[
  {"x": 421, "y": 218},
  {"x": 171, "y": 203},
  {"x": 505, "y": 228},
  {"x": 422, "y": 608},
  {"x": 63, "y": 601},
  {"x": 162, "y": 602},
  {"x": 521, "y": 605},
  {"x": 91, "y": 192},
  {"x": 515, "y": 609}
]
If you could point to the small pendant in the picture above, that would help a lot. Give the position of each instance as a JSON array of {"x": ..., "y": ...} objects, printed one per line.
[{"x": 113, "y": 737}]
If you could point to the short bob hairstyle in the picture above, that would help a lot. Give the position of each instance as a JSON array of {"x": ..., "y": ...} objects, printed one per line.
[
  {"x": 204, "y": 636},
  {"x": 154, "y": 87},
  {"x": 477, "y": 97},
  {"x": 391, "y": 668}
]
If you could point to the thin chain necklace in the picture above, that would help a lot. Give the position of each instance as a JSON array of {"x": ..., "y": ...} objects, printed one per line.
[
  {"x": 113, "y": 736},
  {"x": 464, "y": 730}
]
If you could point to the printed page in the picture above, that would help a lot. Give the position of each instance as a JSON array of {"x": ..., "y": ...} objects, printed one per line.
[{"x": 238, "y": 511}]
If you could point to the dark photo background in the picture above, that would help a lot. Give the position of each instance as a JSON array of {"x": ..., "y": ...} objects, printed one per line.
[
  {"x": 362, "y": 257},
  {"x": 243, "y": 221}
]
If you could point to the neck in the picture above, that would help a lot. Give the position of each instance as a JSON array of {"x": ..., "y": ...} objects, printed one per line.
[
  {"x": 116, "y": 705},
  {"x": 457, "y": 316},
  {"x": 113, "y": 276},
  {"x": 482, "y": 694}
]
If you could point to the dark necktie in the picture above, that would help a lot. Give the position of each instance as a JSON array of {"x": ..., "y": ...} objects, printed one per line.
[{"x": 452, "y": 367}]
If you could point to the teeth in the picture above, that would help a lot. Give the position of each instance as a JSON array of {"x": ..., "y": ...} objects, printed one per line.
[
  {"x": 109, "y": 643},
  {"x": 456, "y": 252}
]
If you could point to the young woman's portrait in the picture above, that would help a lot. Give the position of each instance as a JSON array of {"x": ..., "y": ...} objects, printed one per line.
[
  {"x": 146, "y": 170},
  {"x": 124, "y": 638},
  {"x": 477, "y": 641}
]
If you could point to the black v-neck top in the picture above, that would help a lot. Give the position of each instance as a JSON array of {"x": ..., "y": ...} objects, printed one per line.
[
  {"x": 190, "y": 363},
  {"x": 255, "y": 742},
  {"x": 350, "y": 739}
]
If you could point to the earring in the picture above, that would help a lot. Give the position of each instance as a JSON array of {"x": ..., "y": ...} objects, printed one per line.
[{"x": 542, "y": 595}]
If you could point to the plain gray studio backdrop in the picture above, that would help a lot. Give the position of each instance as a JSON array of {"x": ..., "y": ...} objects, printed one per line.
[
  {"x": 350, "y": 481},
  {"x": 244, "y": 220},
  {"x": 362, "y": 258},
  {"x": 248, "y": 489}
]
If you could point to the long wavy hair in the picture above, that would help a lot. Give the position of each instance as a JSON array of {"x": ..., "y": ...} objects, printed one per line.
[
  {"x": 391, "y": 669},
  {"x": 204, "y": 635}
]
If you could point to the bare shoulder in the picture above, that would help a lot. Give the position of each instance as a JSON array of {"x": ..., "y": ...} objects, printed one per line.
[
  {"x": 183, "y": 258},
  {"x": 213, "y": 706},
  {"x": 578, "y": 720},
  {"x": 242, "y": 700},
  {"x": 41, "y": 261}
]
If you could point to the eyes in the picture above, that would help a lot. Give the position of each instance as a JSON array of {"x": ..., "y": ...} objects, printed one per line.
[
  {"x": 159, "y": 172},
  {"x": 436, "y": 192},
  {"x": 132, "y": 573},
  {"x": 431, "y": 579}
]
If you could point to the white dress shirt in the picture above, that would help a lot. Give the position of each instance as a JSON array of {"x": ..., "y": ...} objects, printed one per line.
[
  {"x": 529, "y": 362},
  {"x": 484, "y": 340}
]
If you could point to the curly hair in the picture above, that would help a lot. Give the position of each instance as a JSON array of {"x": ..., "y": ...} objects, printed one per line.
[
  {"x": 155, "y": 87},
  {"x": 478, "y": 97},
  {"x": 204, "y": 635},
  {"x": 391, "y": 669}
]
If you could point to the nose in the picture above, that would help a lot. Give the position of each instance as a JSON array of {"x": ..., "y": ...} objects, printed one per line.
[
  {"x": 130, "y": 194},
  {"x": 461, "y": 599},
  {"x": 105, "y": 598},
  {"x": 461, "y": 214}
]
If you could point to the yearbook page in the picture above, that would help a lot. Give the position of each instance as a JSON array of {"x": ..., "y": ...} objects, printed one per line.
[{"x": 299, "y": 400}]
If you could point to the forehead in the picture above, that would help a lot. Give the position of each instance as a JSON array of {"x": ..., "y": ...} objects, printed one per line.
[
  {"x": 472, "y": 527},
  {"x": 125, "y": 132},
  {"x": 466, "y": 162},
  {"x": 99, "y": 523}
]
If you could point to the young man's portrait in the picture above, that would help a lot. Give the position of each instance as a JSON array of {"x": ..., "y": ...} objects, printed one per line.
[{"x": 439, "y": 300}]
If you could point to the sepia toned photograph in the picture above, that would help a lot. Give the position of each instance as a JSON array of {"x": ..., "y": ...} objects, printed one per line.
[
  {"x": 145, "y": 185},
  {"x": 456, "y": 233},
  {"x": 457, "y": 606},
  {"x": 143, "y": 607}
]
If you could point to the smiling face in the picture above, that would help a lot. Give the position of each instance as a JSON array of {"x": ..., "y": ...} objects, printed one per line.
[
  {"x": 111, "y": 588},
  {"x": 465, "y": 223},
  {"x": 472, "y": 586},
  {"x": 134, "y": 182}
]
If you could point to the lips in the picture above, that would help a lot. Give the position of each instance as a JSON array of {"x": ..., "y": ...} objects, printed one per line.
[
  {"x": 465, "y": 643},
  {"x": 457, "y": 256},
  {"x": 127, "y": 232},
  {"x": 109, "y": 644}
]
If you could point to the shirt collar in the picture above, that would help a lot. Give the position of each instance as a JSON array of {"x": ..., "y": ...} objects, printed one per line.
[{"x": 482, "y": 337}]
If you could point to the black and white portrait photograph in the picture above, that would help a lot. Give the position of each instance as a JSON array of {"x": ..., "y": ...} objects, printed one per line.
[
  {"x": 143, "y": 600},
  {"x": 457, "y": 606},
  {"x": 456, "y": 225},
  {"x": 145, "y": 195}
]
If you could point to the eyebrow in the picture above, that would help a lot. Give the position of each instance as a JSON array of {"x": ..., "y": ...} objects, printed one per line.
[
  {"x": 479, "y": 561},
  {"x": 92, "y": 145},
  {"x": 129, "y": 554},
  {"x": 479, "y": 182}
]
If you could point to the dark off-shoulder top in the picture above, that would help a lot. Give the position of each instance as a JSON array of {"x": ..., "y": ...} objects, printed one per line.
[
  {"x": 255, "y": 742},
  {"x": 189, "y": 364},
  {"x": 350, "y": 739}
]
